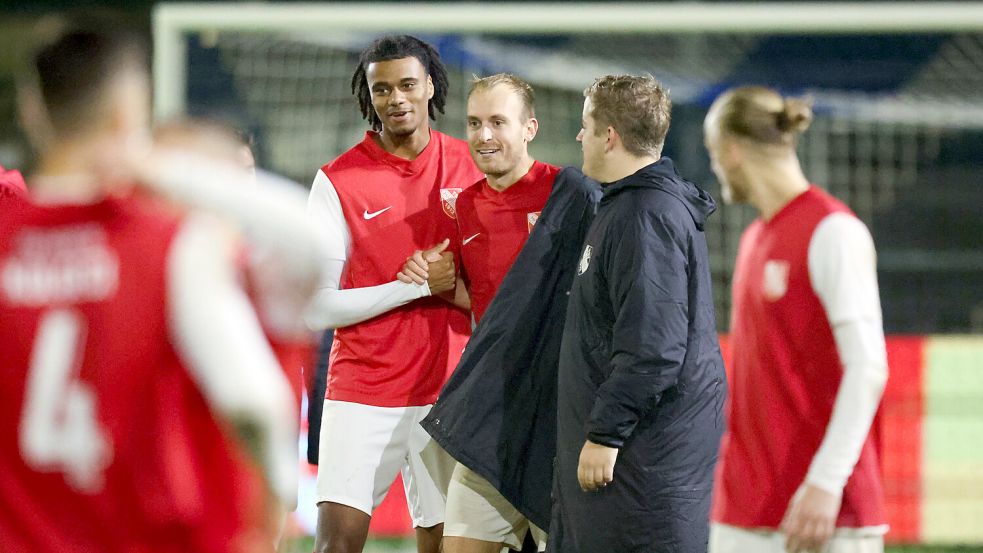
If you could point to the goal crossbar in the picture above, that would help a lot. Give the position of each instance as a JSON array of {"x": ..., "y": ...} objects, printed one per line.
[{"x": 172, "y": 20}]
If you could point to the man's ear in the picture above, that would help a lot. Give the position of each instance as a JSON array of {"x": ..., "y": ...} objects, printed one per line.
[
  {"x": 430, "y": 88},
  {"x": 532, "y": 128},
  {"x": 613, "y": 139}
]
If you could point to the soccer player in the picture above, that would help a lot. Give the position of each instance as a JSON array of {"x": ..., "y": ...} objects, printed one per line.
[
  {"x": 799, "y": 471},
  {"x": 641, "y": 381},
  {"x": 394, "y": 344},
  {"x": 278, "y": 298},
  {"x": 128, "y": 348},
  {"x": 494, "y": 217}
]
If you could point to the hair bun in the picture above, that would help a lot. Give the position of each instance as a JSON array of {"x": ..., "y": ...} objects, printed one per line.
[{"x": 795, "y": 116}]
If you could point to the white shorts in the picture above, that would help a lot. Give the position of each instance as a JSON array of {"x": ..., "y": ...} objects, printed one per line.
[
  {"x": 362, "y": 449},
  {"x": 476, "y": 510},
  {"x": 731, "y": 539}
]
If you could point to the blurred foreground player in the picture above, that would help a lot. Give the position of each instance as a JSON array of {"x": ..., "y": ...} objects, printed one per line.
[
  {"x": 394, "y": 344},
  {"x": 277, "y": 294},
  {"x": 495, "y": 218},
  {"x": 129, "y": 350},
  {"x": 799, "y": 471},
  {"x": 275, "y": 290},
  {"x": 641, "y": 382}
]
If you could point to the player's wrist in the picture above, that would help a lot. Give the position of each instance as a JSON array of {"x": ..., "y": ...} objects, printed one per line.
[
  {"x": 826, "y": 483},
  {"x": 411, "y": 290},
  {"x": 603, "y": 440}
]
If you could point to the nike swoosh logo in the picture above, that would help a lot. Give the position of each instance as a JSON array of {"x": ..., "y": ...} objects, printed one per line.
[
  {"x": 375, "y": 214},
  {"x": 468, "y": 239}
]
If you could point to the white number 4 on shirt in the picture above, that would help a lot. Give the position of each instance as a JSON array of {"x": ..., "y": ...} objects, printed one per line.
[{"x": 59, "y": 430}]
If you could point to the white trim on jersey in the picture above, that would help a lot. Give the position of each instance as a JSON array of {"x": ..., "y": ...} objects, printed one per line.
[
  {"x": 843, "y": 272},
  {"x": 333, "y": 307},
  {"x": 217, "y": 334}
]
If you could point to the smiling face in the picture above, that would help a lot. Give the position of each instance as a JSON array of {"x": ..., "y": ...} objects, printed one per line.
[
  {"x": 401, "y": 91},
  {"x": 499, "y": 131}
]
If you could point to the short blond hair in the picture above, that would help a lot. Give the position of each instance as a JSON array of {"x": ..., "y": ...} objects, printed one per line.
[
  {"x": 519, "y": 86},
  {"x": 637, "y": 106}
]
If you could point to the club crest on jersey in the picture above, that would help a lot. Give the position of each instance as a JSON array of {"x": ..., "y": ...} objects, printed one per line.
[
  {"x": 448, "y": 199},
  {"x": 585, "y": 260},
  {"x": 531, "y": 219},
  {"x": 775, "y": 279}
]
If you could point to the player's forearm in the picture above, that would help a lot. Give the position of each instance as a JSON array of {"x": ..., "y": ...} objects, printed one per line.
[
  {"x": 625, "y": 398},
  {"x": 218, "y": 336},
  {"x": 332, "y": 308},
  {"x": 861, "y": 348},
  {"x": 843, "y": 272},
  {"x": 272, "y": 214},
  {"x": 459, "y": 296},
  {"x": 648, "y": 349}
]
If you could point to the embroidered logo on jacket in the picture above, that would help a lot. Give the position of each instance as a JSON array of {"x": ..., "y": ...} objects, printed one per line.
[
  {"x": 531, "y": 219},
  {"x": 585, "y": 260},
  {"x": 775, "y": 279},
  {"x": 448, "y": 199}
]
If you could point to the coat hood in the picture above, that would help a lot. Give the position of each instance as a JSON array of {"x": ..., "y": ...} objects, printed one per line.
[{"x": 662, "y": 175}]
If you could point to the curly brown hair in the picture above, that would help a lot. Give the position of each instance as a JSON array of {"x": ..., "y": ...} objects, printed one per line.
[{"x": 394, "y": 47}]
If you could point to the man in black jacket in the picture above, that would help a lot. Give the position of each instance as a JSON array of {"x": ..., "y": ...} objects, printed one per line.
[{"x": 641, "y": 381}]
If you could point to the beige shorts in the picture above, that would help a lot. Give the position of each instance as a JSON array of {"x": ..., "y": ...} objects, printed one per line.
[
  {"x": 731, "y": 539},
  {"x": 362, "y": 449},
  {"x": 476, "y": 510}
]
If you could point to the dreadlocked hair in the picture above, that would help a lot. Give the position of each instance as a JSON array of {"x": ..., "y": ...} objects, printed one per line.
[{"x": 394, "y": 47}]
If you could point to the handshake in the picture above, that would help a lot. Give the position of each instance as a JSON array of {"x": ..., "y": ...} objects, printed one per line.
[{"x": 435, "y": 266}]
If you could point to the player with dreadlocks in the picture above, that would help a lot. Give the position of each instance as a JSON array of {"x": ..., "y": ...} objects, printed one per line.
[{"x": 395, "y": 343}]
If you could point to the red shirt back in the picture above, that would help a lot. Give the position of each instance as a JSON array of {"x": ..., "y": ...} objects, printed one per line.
[
  {"x": 392, "y": 207},
  {"x": 495, "y": 225},
  {"x": 106, "y": 444},
  {"x": 785, "y": 375}
]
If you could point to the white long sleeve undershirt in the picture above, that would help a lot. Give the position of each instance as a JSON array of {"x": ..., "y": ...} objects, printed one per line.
[
  {"x": 333, "y": 307},
  {"x": 217, "y": 334},
  {"x": 843, "y": 272},
  {"x": 284, "y": 244},
  {"x": 270, "y": 214}
]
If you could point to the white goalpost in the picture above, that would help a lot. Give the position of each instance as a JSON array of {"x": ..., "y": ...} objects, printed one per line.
[
  {"x": 172, "y": 20},
  {"x": 289, "y": 68}
]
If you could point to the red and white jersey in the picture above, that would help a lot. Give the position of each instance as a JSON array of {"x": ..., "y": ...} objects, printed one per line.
[
  {"x": 391, "y": 207},
  {"x": 107, "y": 442},
  {"x": 787, "y": 368},
  {"x": 495, "y": 225}
]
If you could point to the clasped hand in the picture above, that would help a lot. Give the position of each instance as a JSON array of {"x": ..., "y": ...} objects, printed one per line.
[{"x": 435, "y": 266}]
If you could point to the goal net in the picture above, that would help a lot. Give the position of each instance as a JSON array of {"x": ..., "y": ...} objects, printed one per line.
[{"x": 898, "y": 90}]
